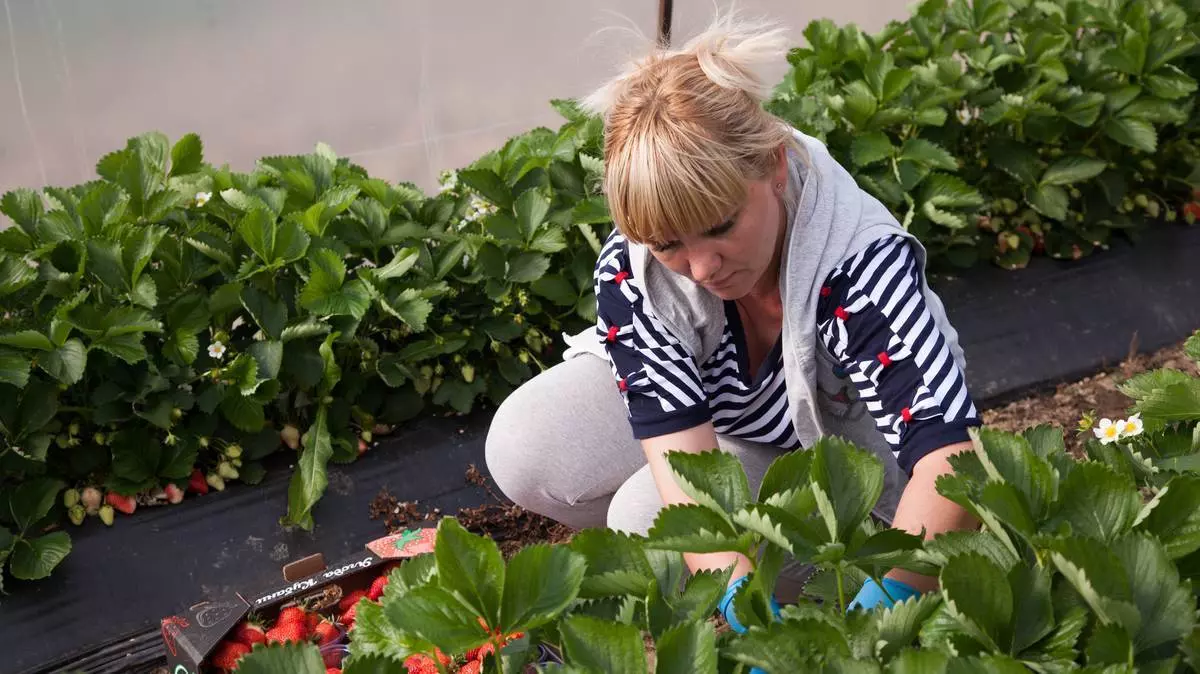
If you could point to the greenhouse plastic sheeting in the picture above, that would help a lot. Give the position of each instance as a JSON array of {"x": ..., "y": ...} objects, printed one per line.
[{"x": 1053, "y": 321}]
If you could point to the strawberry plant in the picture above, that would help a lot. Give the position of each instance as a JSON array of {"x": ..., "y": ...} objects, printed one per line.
[{"x": 1002, "y": 128}]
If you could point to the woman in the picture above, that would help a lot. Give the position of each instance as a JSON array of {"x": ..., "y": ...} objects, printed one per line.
[{"x": 753, "y": 298}]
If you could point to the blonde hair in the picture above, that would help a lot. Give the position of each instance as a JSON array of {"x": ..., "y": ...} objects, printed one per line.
[{"x": 684, "y": 130}]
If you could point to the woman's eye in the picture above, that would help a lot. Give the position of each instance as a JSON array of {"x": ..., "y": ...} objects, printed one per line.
[
  {"x": 721, "y": 229},
  {"x": 664, "y": 247}
]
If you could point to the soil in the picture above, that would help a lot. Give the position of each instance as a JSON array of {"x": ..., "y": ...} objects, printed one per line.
[{"x": 513, "y": 527}]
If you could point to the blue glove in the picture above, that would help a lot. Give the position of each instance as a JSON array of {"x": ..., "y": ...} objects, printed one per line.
[
  {"x": 872, "y": 596},
  {"x": 726, "y": 605}
]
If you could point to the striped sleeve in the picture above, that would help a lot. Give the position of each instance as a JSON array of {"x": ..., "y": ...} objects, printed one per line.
[
  {"x": 657, "y": 376},
  {"x": 873, "y": 319}
]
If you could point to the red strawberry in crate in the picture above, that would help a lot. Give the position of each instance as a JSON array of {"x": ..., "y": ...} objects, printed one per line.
[
  {"x": 125, "y": 504},
  {"x": 312, "y": 620},
  {"x": 326, "y": 633},
  {"x": 196, "y": 483},
  {"x": 250, "y": 633},
  {"x": 351, "y": 599},
  {"x": 420, "y": 664},
  {"x": 472, "y": 667},
  {"x": 347, "y": 617},
  {"x": 333, "y": 670},
  {"x": 292, "y": 614},
  {"x": 377, "y": 587},
  {"x": 481, "y": 652},
  {"x": 227, "y": 655},
  {"x": 287, "y": 632}
]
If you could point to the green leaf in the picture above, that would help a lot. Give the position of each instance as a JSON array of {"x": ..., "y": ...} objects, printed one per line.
[
  {"x": 692, "y": 528},
  {"x": 1033, "y": 608},
  {"x": 1129, "y": 57},
  {"x": 14, "y": 368},
  {"x": 489, "y": 185},
  {"x": 66, "y": 363},
  {"x": 471, "y": 567},
  {"x": 1144, "y": 384},
  {"x": 531, "y": 209},
  {"x": 438, "y": 616},
  {"x": 787, "y": 472},
  {"x": 793, "y": 646},
  {"x": 187, "y": 156},
  {"x": 976, "y": 589},
  {"x": 293, "y": 658},
  {"x": 1083, "y": 109},
  {"x": 603, "y": 646},
  {"x": 949, "y": 191},
  {"x": 371, "y": 664},
  {"x": 1098, "y": 502},
  {"x": 24, "y": 206},
  {"x": 449, "y": 257},
  {"x": 244, "y": 413},
  {"x": 409, "y": 306},
  {"x": 950, "y": 544},
  {"x": 35, "y": 558},
  {"x": 27, "y": 339},
  {"x": 556, "y": 289},
  {"x": 900, "y": 624},
  {"x": 309, "y": 481},
  {"x": 304, "y": 330},
  {"x": 1069, "y": 170},
  {"x": 135, "y": 454},
  {"x": 591, "y": 211},
  {"x": 1172, "y": 515},
  {"x": 1135, "y": 133},
  {"x": 1177, "y": 402},
  {"x": 928, "y": 153},
  {"x": 688, "y": 648},
  {"x": 1166, "y": 605},
  {"x": 1096, "y": 574},
  {"x": 376, "y": 636},
  {"x": 859, "y": 103},
  {"x": 1166, "y": 46},
  {"x": 270, "y": 314},
  {"x": 527, "y": 267},
  {"x": 1050, "y": 200},
  {"x": 616, "y": 564},
  {"x": 326, "y": 292},
  {"x": 540, "y": 583},
  {"x": 1170, "y": 83},
  {"x": 869, "y": 148},
  {"x": 1191, "y": 347},
  {"x": 715, "y": 479},
  {"x": 31, "y": 501},
  {"x": 400, "y": 264},
  {"x": 852, "y": 479},
  {"x": 145, "y": 292}
]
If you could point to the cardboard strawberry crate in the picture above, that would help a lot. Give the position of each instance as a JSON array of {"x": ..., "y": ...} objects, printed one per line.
[{"x": 192, "y": 640}]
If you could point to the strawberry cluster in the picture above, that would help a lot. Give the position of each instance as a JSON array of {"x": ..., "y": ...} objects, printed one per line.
[
  {"x": 296, "y": 624},
  {"x": 472, "y": 661}
]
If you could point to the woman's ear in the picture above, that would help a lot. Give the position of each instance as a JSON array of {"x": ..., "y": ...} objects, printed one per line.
[{"x": 781, "y": 164}]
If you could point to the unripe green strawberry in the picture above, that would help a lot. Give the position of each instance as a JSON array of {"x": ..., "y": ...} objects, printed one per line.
[
  {"x": 71, "y": 498},
  {"x": 106, "y": 514},
  {"x": 227, "y": 471},
  {"x": 367, "y": 436},
  {"x": 468, "y": 373},
  {"x": 99, "y": 438},
  {"x": 233, "y": 451},
  {"x": 215, "y": 481},
  {"x": 76, "y": 513}
]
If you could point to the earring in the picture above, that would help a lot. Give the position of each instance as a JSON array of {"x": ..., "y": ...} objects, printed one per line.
[{"x": 779, "y": 187}]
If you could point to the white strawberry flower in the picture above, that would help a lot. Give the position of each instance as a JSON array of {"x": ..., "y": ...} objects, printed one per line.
[
  {"x": 1133, "y": 426},
  {"x": 1108, "y": 431},
  {"x": 964, "y": 115},
  {"x": 202, "y": 198},
  {"x": 216, "y": 350}
]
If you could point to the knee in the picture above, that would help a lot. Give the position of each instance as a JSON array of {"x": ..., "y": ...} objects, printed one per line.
[
  {"x": 510, "y": 452},
  {"x": 635, "y": 505}
]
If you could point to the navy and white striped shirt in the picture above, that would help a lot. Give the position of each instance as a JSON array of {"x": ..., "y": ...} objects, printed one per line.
[{"x": 871, "y": 317}]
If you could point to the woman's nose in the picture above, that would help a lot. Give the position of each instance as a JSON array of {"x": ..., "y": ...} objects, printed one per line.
[{"x": 705, "y": 266}]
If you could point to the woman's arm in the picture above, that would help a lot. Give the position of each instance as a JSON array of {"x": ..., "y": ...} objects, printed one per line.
[
  {"x": 922, "y": 507},
  {"x": 694, "y": 440}
]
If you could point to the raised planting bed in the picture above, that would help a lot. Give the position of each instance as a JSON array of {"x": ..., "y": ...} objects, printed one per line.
[{"x": 1021, "y": 332}]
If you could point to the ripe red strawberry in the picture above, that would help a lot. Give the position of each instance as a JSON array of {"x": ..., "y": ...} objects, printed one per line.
[
  {"x": 333, "y": 670},
  {"x": 347, "y": 617},
  {"x": 196, "y": 483},
  {"x": 472, "y": 667},
  {"x": 292, "y": 614},
  {"x": 125, "y": 504},
  {"x": 326, "y": 633},
  {"x": 377, "y": 586},
  {"x": 420, "y": 664},
  {"x": 334, "y": 657},
  {"x": 250, "y": 633},
  {"x": 227, "y": 655},
  {"x": 481, "y": 652},
  {"x": 287, "y": 632},
  {"x": 350, "y": 600},
  {"x": 312, "y": 620}
]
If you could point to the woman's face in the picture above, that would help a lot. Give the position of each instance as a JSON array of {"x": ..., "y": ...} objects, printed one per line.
[{"x": 732, "y": 256}]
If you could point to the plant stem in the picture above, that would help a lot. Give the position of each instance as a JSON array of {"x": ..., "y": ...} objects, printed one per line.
[
  {"x": 841, "y": 590},
  {"x": 496, "y": 656}
]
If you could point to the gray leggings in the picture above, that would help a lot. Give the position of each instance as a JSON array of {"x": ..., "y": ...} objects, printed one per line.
[{"x": 561, "y": 446}]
